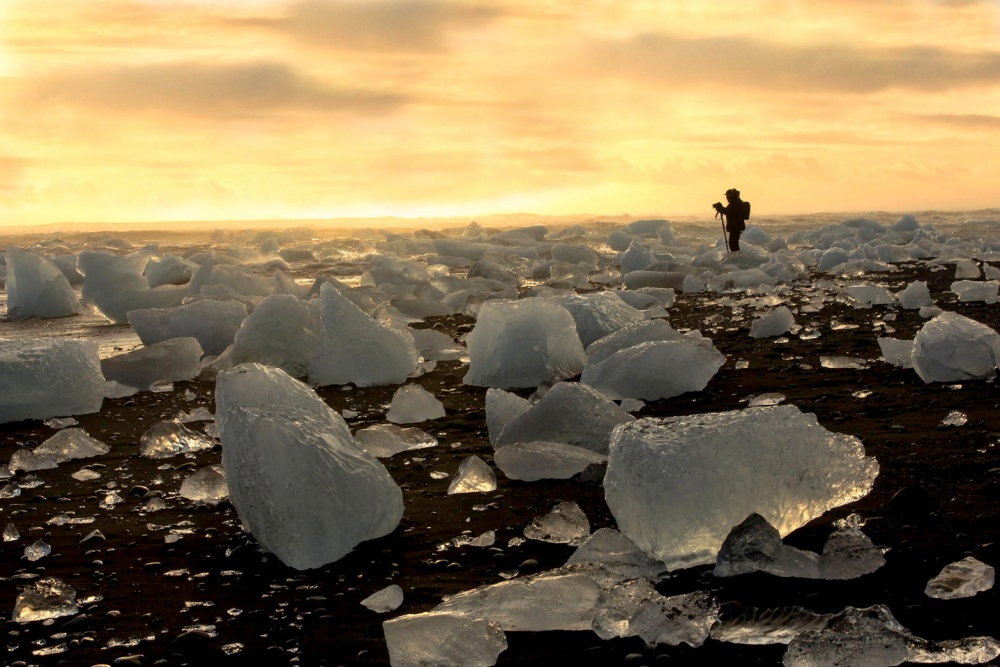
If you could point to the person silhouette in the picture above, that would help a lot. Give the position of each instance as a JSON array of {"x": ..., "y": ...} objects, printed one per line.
[{"x": 735, "y": 215}]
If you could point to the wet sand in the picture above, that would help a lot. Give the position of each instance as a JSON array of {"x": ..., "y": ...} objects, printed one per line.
[{"x": 212, "y": 598}]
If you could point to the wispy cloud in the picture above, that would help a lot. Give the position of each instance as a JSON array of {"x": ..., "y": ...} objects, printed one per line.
[
  {"x": 743, "y": 62},
  {"x": 201, "y": 89}
]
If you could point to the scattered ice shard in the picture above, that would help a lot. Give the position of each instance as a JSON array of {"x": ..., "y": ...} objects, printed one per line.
[
  {"x": 652, "y": 371},
  {"x": 955, "y": 418},
  {"x": 207, "y": 485},
  {"x": 411, "y": 404},
  {"x": 10, "y": 533},
  {"x": 170, "y": 438},
  {"x": 571, "y": 413},
  {"x": 474, "y": 476},
  {"x": 532, "y": 461},
  {"x": 598, "y": 314},
  {"x": 173, "y": 360},
  {"x": 37, "y": 550},
  {"x": 297, "y": 478},
  {"x": 897, "y": 352},
  {"x": 967, "y": 269},
  {"x": 523, "y": 344},
  {"x": 872, "y": 637},
  {"x": 385, "y": 600},
  {"x": 68, "y": 444},
  {"x": 951, "y": 347},
  {"x": 778, "y": 322},
  {"x": 354, "y": 348},
  {"x": 871, "y": 295},
  {"x": 915, "y": 296},
  {"x": 385, "y": 440},
  {"x": 843, "y": 363},
  {"x": 976, "y": 290},
  {"x": 52, "y": 377},
  {"x": 44, "y": 599},
  {"x": 36, "y": 287},
  {"x": 563, "y": 599},
  {"x": 619, "y": 557},
  {"x": 755, "y": 545},
  {"x": 961, "y": 579},
  {"x": 283, "y": 331},
  {"x": 443, "y": 639},
  {"x": 678, "y": 485},
  {"x": 635, "y": 609},
  {"x": 848, "y": 554},
  {"x": 565, "y": 524},
  {"x": 768, "y": 626},
  {"x": 772, "y": 398},
  {"x": 212, "y": 323},
  {"x": 502, "y": 407}
]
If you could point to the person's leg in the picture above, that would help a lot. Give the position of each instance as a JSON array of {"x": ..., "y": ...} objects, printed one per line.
[{"x": 734, "y": 240}]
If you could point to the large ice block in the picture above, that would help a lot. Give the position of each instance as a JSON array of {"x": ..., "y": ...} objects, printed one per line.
[
  {"x": 283, "y": 331},
  {"x": 213, "y": 323},
  {"x": 299, "y": 482},
  {"x": 36, "y": 287},
  {"x": 354, "y": 348},
  {"x": 598, "y": 314},
  {"x": 52, "y": 377},
  {"x": 443, "y": 639},
  {"x": 523, "y": 344},
  {"x": 678, "y": 485},
  {"x": 651, "y": 371},
  {"x": 952, "y": 347},
  {"x": 173, "y": 360},
  {"x": 115, "y": 285}
]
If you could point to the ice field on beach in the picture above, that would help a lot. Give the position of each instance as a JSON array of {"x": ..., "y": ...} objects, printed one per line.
[{"x": 571, "y": 336}]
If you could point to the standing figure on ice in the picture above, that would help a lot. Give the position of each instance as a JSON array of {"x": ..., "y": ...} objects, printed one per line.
[{"x": 734, "y": 214}]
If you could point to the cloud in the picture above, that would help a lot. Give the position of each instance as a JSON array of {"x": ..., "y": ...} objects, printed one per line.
[
  {"x": 969, "y": 121},
  {"x": 198, "y": 89},
  {"x": 382, "y": 25},
  {"x": 743, "y": 62}
]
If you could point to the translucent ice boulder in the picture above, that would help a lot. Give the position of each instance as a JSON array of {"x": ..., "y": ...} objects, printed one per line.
[
  {"x": 169, "y": 438},
  {"x": 531, "y": 461},
  {"x": 635, "y": 609},
  {"x": 213, "y": 323},
  {"x": 951, "y": 348},
  {"x": 53, "y": 377},
  {"x": 976, "y": 290},
  {"x": 571, "y": 413},
  {"x": 45, "y": 599},
  {"x": 678, "y": 485},
  {"x": 66, "y": 445},
  {"x": 207, "y": 485},
  {"x": 778, "y": 322},
  {"x": 651, "y": 371},
  {"x": 297, "y": 478},
  {"x": 871, "y": 295},
  {"x": 283, "y": 331},
  {"x": 915, "y": 295},
  {"x": 565, "y": 524},
  {"x": 474, "y": 476},
  {"x": 37, "y": 288},
  {"x": 523, "y": 344},
  {"x": 412, "y": 403},
  {"x": 961, "y": 579},
  {"x": 502, "y": 407},
  {"x": 173, "y": 360},
  {"x": 443, "y": 639},
  {"x": 897, "y": 352},
  {"x": 598, "y": 314},
  {"x": 385, "y": 600},
  {"x": 354, "y": 348},
  {"x": 115, "y": 285}
]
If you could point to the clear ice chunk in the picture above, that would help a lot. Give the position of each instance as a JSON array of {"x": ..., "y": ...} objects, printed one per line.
[
  {"x": 213, "y": 323},
  {"x": 474, "y": 476},
  {"x": 635, "y": 609},
  {"x": 768, "y": 626},
  {"x": 36, "y": 287},
  {"x": 951, "y": 348},
  {"x": 37, "y": 550},
  {"x": 678, "y": 485},
  {"x": 10, "y": 533},
  {"x": 955, "y": 418},
  {"x": 44, "y": 599},
  {"x": 283, "y": 331},
  {"x": 896, "y": 352},
  {"x": 502, "y": 407},
  {"x": 385, "y": 600},
  {"x": 915, "y": 296},
  {"x": 532, "y": 461},
  {"x": 170, "y": 438},
  {"x": 778, "y": 322},
  {"x": 172, "y": 360},
  {"x": 53, "y": 377},
  {"x": 565, "y": 524},
  {"x": 443, "y": 639},
  {"x": 385, "y": 440},
  {"x": 961, "y": 579},
  {"x": 651, "y": 371},
  {"x": 207, "y": 485},
  {"x": 411, "y": 404},
  {"x": 620, "y": 559}
]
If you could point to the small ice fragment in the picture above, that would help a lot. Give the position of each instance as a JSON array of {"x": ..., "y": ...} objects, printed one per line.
[
  {"x": 565, "y": 524},
  {"x": 37, "y": 551},
  {"x": 231, "y": 649},
  {"x": 11, "y": 490},
  {"x": 631, "y": 404},
  {"x": 115, "y": 389},
  {"x": 208, "y": 485},
  {"x": 10, "y": 533},
  {"x": 189, "y": 395},
  {"x": 155, "y": 504},
  {"x": 766, "y": 399},
  {"x": 161, "y": 386},
  {"x": 437, "y": 474},
  {"x": 170, "y": 438},
  {"x": 85, "y": 475},
  {"x": 531, "y": 461},
  {"x": 961, "y": 579},
  {"x": 443, "y": 638},
  {"x": 474, "y": 476},
  {"x": 385, "y": 600},
  {"x": 93, "y": 535},
  {"x": 487, "y": 539},
  {"x": 843, "y": 362},
  {"x": 635, "y": 608},
  {"x": 200, "y": 414},
  {"x": 385, "y": 440},
  {"x": 348, "y": 414},
  {"x": 60, "y": 422},
  {"x": 775, "y": 323},
  {"x": 955, "y": 418},
  {"x": 742, "y": 365},
  {"x": 110, "y": 500},
  {"x": 861, "y": 393},
  {"x": 67, "y": 520},
  {"x": 849, "y": 554},
  {"x": 44, "y": 599},
  {"x": 412, "y": 403}
]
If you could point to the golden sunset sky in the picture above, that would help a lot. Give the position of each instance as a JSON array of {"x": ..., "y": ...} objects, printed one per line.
[{"x": 136, "y": 110}]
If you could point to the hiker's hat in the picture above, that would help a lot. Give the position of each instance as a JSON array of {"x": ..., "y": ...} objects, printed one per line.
[{"x": 733, "y": 191}]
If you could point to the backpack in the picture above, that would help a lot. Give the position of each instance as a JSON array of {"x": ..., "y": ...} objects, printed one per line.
[{"x": 746, "y": 210}]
